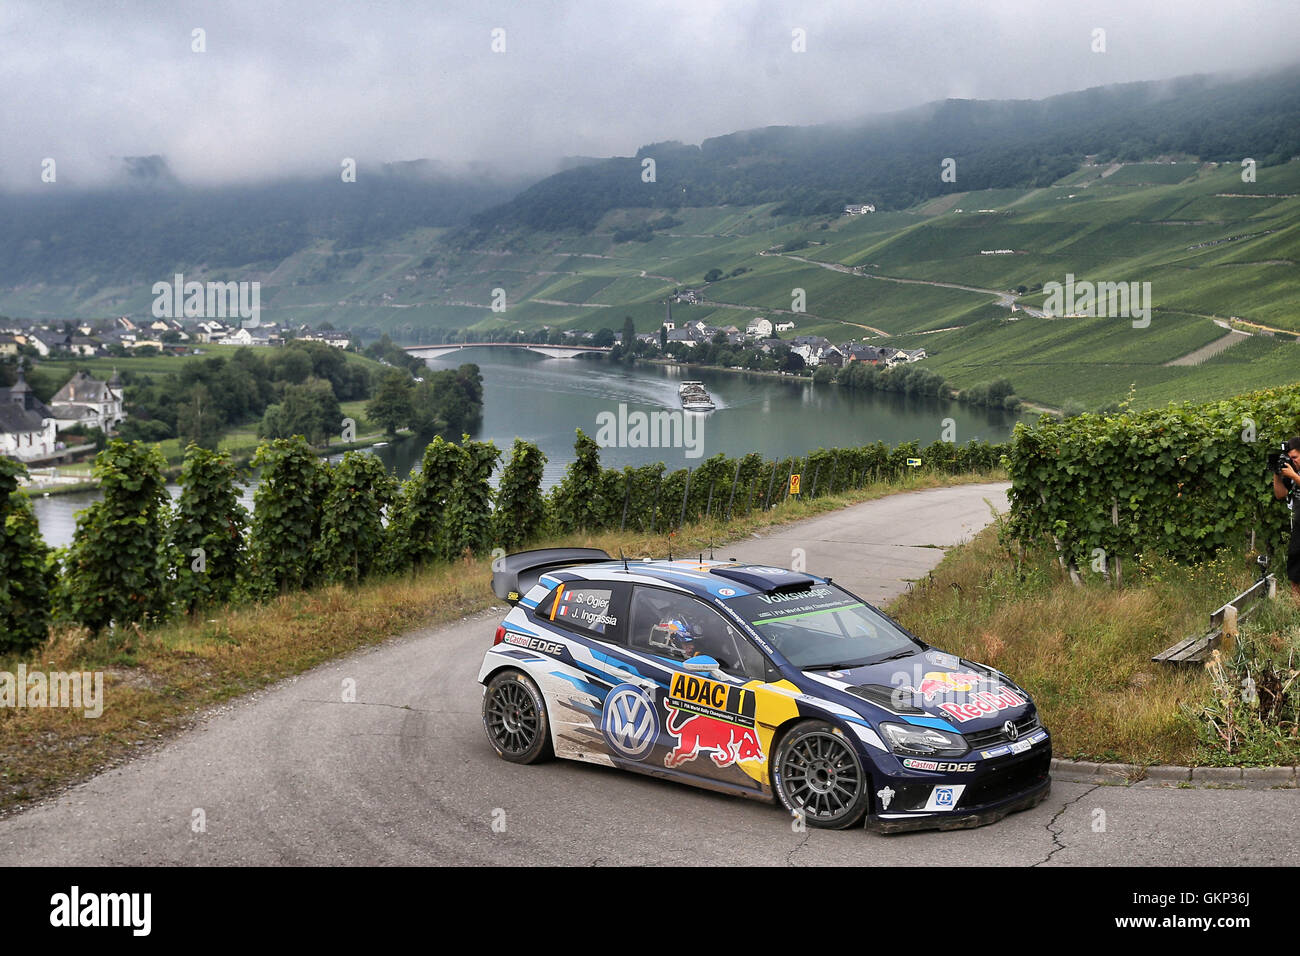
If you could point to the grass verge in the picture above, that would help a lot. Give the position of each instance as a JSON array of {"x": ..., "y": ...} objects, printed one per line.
[{"x": 1085, "y": 652}]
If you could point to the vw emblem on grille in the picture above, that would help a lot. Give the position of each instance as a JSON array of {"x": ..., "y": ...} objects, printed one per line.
[{"x": 1009, "y": 729}]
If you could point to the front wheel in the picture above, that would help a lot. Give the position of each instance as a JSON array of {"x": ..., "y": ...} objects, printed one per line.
[
  {"x": 817, "y": 774},
  {"x": 514, "y": 716}
]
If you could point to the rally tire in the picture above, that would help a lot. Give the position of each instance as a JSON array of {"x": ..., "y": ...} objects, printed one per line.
[
  {"x": 817, "y": 774},
  {"x": 515, "y": 718}
]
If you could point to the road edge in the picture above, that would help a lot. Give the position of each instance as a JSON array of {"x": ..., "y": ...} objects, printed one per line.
[{"x": 1183, "y": 778}]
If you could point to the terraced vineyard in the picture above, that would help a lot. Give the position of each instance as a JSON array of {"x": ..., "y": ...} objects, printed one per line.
[{"x": 1209, "y": 244}]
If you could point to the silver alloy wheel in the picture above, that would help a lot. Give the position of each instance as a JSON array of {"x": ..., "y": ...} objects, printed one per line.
[
  {"x": 512, "y": 717},
  {"x": 821, "y": 775}
]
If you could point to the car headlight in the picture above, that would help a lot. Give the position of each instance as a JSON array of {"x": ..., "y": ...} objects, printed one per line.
[{"x": 911, "y": 740}]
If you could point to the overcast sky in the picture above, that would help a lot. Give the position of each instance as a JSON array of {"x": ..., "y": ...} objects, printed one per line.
[{"x": 294, "y": 86}]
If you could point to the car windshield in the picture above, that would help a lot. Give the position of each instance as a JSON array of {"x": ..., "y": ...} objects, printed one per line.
[{"x": 824, "y": 627}]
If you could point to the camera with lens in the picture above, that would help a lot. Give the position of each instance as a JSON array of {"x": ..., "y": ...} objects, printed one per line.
[{"x": 1278, "y": 459}]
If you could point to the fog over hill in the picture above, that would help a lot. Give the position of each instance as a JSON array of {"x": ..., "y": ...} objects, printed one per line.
[
  {"x": 150, "y": 223},
  {"x": 894, "y": 160},
  {"x": 230, "y": 91}
]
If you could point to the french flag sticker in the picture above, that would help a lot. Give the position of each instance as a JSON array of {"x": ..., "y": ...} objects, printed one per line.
[
  {"x": 564, "y": 611},
  {"x": 568, "y": 595}
]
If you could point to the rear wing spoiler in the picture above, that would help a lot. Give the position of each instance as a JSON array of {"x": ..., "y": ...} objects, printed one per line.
[{"x": 515, "y": 574}]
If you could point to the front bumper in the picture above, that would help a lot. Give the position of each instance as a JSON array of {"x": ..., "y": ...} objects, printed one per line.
[
  {"x": 905, "y": 822},
  {"x": 1007, "y": 785}
]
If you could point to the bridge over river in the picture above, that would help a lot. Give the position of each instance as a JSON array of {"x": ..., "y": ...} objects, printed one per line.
[{"x": 550, "y": 351}]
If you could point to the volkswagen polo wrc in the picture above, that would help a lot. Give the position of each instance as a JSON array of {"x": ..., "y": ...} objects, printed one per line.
[{"x": 754, "y": 681}]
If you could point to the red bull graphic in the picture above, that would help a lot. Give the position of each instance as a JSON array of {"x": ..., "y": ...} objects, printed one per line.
[
  {"x": 708, "y": 716},
  {"x": 729, "y": 742},
  {"x": 953, "y": 694},
  {"x": 936, "y": 683},
  {"x": 983, "y": 703}
]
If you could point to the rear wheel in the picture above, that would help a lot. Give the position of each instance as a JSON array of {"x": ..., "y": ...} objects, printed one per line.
[
  {"x": 817, "y": 773},
  {"x": 514, "y": 716}
]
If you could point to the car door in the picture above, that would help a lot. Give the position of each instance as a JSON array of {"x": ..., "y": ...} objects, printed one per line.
[
  {"x": 591, "y": 616},
  {"x": 707, "y": 721}
]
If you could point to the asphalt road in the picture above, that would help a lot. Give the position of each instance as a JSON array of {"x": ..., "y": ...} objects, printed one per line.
[{"x": 404, "y": 775}]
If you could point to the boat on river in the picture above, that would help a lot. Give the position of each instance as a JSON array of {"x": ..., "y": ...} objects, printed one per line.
[{"x": 695, "y": 398}]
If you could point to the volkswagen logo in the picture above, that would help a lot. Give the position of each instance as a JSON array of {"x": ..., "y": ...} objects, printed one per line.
[
  {"x": 629, "y": 722},
  {"x": 1009, "y": 729}
]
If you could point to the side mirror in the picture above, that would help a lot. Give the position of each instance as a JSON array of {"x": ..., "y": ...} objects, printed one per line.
[{"x": 700, "y": 664}]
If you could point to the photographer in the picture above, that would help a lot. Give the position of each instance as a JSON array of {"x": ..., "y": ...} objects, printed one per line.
[{"x": 1286, "y": 484}]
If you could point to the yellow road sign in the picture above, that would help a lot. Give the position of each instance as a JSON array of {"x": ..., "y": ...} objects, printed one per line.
[{"x": 794, "y": 484}]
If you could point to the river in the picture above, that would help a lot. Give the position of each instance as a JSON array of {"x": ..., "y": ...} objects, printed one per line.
[{"x": 543, "y": 400}]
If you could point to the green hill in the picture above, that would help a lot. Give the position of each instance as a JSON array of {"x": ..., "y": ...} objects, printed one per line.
[
  {"x": 1140, "y": 183},
  {"x": 894, "y": 160}
]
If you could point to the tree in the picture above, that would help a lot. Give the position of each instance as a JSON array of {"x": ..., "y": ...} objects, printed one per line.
[
  {"x": 713, "y": 275},
  {"x": 207, "y": 530},
  {"x": 391, "y": 407},
  {"x": 576, "y": 501},
  {"x": 117, "y": 569},
  {"x": 999, "y": 389},
  {"x": 603, "y": 338},
  {"x": 469, "y": 513},
  {"x": 426, "y": 400},
  {"x": 144, "y": 429},
  {"x": 417, "y": 534},
  {"x": 520, "y": 514},
  {"x": 629, "y": 335},
  {"x": 24, "y": 580},
  {"x": 238, "y": 392},
  {"x": 286, "y": 516},
  {"x": 291, "y": 365},
  {"x": 309, "y": 409},
  {"x": 663, "y": 338},
  {"x": 351, "y": 527},
  {"x": 198, "y": 421}
]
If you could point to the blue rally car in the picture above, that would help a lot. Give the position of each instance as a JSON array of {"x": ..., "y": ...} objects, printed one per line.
[{"x": 754, "y": 681}]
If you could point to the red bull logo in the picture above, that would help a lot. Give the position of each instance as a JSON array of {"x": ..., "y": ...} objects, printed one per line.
[
  {"x": 696, "y": 734},
  {"x": 983, "y": 704},
  {"x": 937, "y": 683}
]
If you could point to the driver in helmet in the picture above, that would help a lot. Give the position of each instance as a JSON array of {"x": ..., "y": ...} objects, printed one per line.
[{"x": 674, "y": 637}]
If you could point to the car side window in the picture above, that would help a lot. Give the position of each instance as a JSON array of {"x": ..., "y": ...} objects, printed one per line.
[
  {"x": 592, "y": 607},
  {"x": 753, "y": 662},
  {"x": 679, "y": 626}
]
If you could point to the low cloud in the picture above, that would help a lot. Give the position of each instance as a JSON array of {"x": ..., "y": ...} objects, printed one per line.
[{"x": 291, "y": 88}]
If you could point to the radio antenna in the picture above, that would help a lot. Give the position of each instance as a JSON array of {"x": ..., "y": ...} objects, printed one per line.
[{"x": 624, "y": 557}]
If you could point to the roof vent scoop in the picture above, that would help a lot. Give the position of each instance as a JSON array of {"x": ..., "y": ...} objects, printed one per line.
[{"x": 769, "y": 580}]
